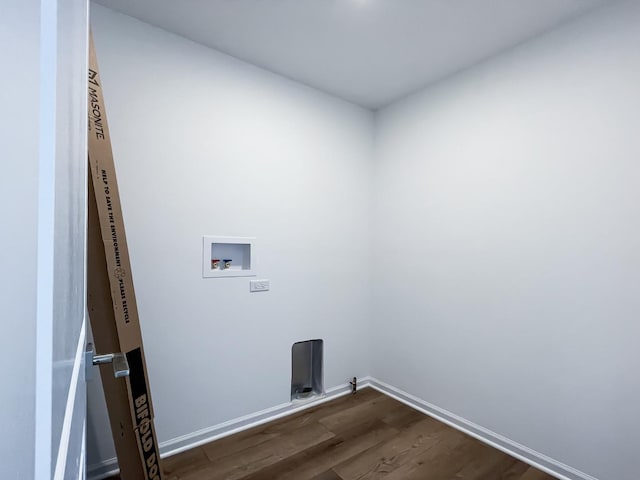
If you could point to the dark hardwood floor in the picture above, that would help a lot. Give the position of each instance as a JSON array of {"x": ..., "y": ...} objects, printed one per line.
[{"x": 359, "y": 437}]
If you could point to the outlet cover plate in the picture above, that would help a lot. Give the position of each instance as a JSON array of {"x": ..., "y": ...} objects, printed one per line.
[{"x": 259, "y": 285}]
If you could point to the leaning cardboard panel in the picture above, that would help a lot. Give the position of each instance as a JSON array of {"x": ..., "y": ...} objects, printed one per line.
[{"x": 112, "y": 303}]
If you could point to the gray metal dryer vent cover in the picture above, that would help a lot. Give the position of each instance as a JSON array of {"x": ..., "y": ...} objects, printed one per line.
[{"x": 306, "y": 369}]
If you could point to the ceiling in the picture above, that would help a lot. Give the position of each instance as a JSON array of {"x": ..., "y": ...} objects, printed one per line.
[{"x": 370, "y": 52}]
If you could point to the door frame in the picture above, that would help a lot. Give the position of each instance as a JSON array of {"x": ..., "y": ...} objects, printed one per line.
[{"x": 51, "y": 135}]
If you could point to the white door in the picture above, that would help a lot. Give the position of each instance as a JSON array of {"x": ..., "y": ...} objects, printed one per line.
[{"x": 61, "y": 263}]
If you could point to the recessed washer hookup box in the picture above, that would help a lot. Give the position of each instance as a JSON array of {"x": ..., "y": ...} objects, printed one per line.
[{"x": 111, "y": 302}]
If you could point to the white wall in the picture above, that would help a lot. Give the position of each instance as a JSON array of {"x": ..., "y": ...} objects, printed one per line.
[
  {"x": 207, "y": 145},
  {"x": 507, "y": 208},
  {"x": 19, "y": 68}
]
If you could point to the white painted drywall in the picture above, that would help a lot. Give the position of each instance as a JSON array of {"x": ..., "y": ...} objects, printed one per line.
[
  {"x": 19, "y": 69},
  {"x": 207, "y": 145},
  {"x": 506, "y": 203}
]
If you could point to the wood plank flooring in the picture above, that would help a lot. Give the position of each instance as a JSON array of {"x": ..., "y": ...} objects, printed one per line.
[{"x": 367, "y": 436}]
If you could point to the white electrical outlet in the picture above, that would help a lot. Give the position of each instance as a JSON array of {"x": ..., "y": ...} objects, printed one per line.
[{"x": 259, "y": 285}]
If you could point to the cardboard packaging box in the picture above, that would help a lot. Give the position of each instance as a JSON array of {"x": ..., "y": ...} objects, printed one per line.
[{"x": 112, "y": 304}]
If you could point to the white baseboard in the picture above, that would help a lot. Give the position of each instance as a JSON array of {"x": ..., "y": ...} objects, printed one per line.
[
  {"x": 109, "y": 467},
  {"x": 526, "y": 454},
  {"x": 195, "y": 439}
]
